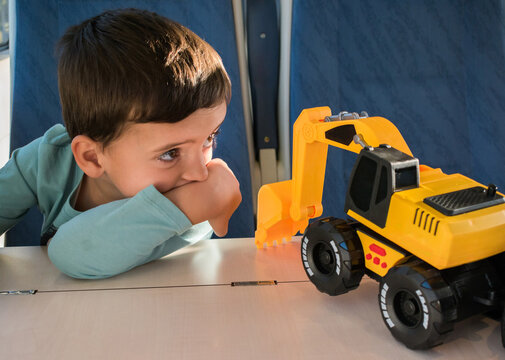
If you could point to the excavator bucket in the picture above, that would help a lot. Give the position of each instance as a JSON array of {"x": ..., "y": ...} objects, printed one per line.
[{"x": 274, "y": 220}]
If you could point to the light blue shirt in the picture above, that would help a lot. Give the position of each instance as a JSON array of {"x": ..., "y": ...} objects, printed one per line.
[{"x": 98, "y": 243}]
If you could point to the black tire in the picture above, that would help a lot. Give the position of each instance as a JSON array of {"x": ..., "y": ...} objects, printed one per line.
[
  {"x": 332, "y": 256},
  {"x": 416, "y": 304}
]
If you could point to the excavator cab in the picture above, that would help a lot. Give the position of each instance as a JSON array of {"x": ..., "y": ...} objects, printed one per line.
[{"x": 377, "y": 174}]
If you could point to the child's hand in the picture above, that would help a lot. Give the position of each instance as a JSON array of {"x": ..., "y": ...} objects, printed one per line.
[
  {"x": 214, "y": 199},
  {"x": 226, "y": 192}
]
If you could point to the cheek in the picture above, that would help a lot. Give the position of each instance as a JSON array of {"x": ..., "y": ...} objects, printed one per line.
[
  {"x": 132, "y": 179},
  {"x": 164, "y": 179},
  {"x": 131, "y": 174},
  {"x": 164, "y": 186}
]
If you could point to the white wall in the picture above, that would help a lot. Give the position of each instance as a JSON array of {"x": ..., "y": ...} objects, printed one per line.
[{"x": 4, "y": 112}]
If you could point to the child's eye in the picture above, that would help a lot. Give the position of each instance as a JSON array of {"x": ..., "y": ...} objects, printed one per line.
[
  {"x": 211, "y": 140},
  {"x": 170, "y": 155}
]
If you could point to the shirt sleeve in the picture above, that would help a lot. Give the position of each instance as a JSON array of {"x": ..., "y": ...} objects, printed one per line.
[
  {"x": 117, "y": 236},
  {"x": 18, "y": 184}
]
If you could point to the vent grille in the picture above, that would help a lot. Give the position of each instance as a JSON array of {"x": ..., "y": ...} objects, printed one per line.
[
  {"x": 463, "y": 201},
  {"x": 426, "y": 221}
]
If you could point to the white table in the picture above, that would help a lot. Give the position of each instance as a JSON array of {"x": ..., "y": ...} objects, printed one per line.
[
  {"x": 208, "y": 262},
  {"x": 183, "y": 307}
]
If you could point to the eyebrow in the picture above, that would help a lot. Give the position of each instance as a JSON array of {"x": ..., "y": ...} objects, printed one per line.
[{"x": 171, "y": 146}]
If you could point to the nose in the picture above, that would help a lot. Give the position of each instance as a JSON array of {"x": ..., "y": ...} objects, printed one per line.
[{"x": 196, "y": 168}]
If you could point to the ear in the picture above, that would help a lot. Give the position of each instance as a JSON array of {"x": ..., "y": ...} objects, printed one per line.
[{"x": 87, "y": 155}]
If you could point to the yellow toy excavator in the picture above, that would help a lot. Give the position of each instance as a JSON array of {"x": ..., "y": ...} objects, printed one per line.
[{"x": 435, "y": 242}]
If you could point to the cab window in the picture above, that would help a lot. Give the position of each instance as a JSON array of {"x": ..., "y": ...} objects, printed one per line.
[
  {"x": 382, "y": 190},
  {"x": 405, "y": 178},
  {"x": 362, "y": 183}
]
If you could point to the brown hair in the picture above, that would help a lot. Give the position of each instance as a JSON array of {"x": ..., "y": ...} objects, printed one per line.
[{"x": 135, "y": 66}]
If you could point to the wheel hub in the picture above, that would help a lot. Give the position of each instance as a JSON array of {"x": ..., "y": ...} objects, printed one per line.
[
  {"x": 407, "y": 308},
  {"x": 324, "y": 258}
]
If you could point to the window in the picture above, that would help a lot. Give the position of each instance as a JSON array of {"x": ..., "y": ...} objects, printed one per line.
[
  {"x": 363, "y": 182},
  {"x": 4, "y": 24},
  {"x": 405, "y": 178},
  {"x": 382, "y": 190}
]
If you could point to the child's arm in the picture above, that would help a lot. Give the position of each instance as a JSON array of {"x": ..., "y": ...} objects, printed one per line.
[
  {"x": 18, "y": 185},
  {"x": 120, "y": 235},
  {"x": 214, "y": 199}
]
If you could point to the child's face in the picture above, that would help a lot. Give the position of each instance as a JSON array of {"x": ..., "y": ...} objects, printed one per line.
[{"x": 166, "y": 155}]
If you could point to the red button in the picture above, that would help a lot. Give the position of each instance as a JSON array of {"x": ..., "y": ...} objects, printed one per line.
[
  {"x": 376, "y": 260},
  {"x": 368, "y": 256},
  {"x": 378, "y": 250},
  {"x": 384, "y": 265}
]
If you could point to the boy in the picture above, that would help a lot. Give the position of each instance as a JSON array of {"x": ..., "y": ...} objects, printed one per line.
[{"x": 131, "y": 178}]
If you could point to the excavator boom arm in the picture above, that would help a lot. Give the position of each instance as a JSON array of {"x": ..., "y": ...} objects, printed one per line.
[{"x": 284, "y": 208}]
